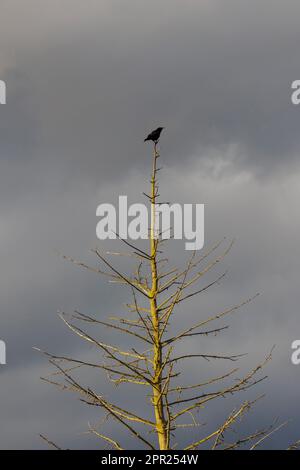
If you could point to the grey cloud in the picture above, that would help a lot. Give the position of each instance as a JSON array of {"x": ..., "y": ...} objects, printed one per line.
[{"x": 213, "y": 75}]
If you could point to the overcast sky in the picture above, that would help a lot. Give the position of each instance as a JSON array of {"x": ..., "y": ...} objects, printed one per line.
[{"x": 86, "y": 81}]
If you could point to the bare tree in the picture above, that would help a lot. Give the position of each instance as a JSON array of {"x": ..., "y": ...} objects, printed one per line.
[{"x": 153, "y": 364}]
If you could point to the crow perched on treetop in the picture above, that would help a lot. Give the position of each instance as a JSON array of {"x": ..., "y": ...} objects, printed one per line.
[{"x": 154, "y": 135}]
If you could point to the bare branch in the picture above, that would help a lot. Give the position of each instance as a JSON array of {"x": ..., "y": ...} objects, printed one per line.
[
  {"x": 51, "y": 444},
  {"x": 133, "y": 284},
  {"x": 106, "y": 438}
]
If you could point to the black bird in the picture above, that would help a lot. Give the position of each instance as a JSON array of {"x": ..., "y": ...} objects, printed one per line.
[{"x": 154, "y": 135}]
